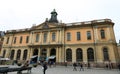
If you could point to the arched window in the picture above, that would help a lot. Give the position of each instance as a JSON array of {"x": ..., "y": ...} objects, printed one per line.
[
  {"x": 25, "y": 54},
  {"x": 35, "y": 52},
  {"x": 12, "y": 54},
  {"x": 102, "y": 32},
  {"x": 52, "y": 52},
  {"x": 18, "y": 54},
  {"x": 90, "y": 54},
  {"x": 4, "y": 52},
  {"x": 43, "y": 54},
  {"x": 79, "y": 55},
  {"x": 68, "y": 55},
  {"x": 105, "y": 54}
]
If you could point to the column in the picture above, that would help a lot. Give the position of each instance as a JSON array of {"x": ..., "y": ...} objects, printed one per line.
[
  {"x": 109, "y": 34},
  {"x": 28, "y": 56},
  {"x": 15, "y": 54},
  {"x": 62, "y": 54},
  {"x": 7, "y": 54},
  {"x": 31, "y": 37},
  {"x": 31, "y": 53},
  {"x": 96, "y": 34},
  {"x": 48, "y": 37},
  {"x": 85, "y": 55},
  {"x": 39, "y": 52},
  {"x": 57, "y": 36},
  {"x": 57, "y": 54},
  {"x": 60, "y": 36},
  {"x": 42, "y": 37},
  {"x": 73, "y": 55},
  {"x": 48, "y": 52},
  {"x": 22, "y": 52}
]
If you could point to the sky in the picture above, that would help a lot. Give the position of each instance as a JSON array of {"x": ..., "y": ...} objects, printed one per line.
[{"x": 20, "y": 14}]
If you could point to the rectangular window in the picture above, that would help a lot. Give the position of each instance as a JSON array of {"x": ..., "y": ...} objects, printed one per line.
[
  {"x": 21, "y": 39},
  {"x": 37, "y": 38},
  {"x": 27, "y": 39},
  {"x": 45, "y": 38},
  {"x": 78, "y": 36},
  {"x": 53, "y": 36},
  {"x": 102, "y": 34},
  {"x": 15, "y": 39},
  {"x": 7, "y": 40},
  {"x": 68, "y": 36},
  {"x": 88, "y": 35}
]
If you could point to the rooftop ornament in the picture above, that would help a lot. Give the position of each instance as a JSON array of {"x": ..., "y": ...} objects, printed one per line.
[{"x": 53, "y": 18}]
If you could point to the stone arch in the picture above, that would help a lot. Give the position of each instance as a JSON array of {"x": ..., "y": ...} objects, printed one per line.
[
  {"x": 53, "y": 52},
  {"x": 79, "y": 55},
  {"x": 12, "y": 54},
  {"x": 90, "y": 54},
  {"x": 18, "y": 54},
  {"x": 69, "y": 54},
  {"x": 105, "y": 51},
  {"x": 35, "y": 52},
  {"x": 43, "y": 54},
  {"x": 25, "y": 54}
]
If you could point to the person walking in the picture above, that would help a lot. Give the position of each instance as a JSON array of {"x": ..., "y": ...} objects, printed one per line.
[
  {"x": 65, "y": 64},
  {"x": 81, "y": 67},
  {"x": 74, "y": 66},
  {"x": 88, "y": 65},
  {"x": 44, "y": 67}
]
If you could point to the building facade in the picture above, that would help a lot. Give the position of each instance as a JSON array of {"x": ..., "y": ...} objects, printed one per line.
[
  {"x": 1, "y": 39},
  {"x": 90, "y": 41},
  {"x": 119, "y": 48}
]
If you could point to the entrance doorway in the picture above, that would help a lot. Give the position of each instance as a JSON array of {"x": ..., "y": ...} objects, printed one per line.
[
  {"x": 43, "y": 54},
  {"x": 52, "y": 55}
]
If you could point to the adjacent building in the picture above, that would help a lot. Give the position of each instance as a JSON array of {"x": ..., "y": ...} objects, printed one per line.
[
  {"x": 1, "y": 39},
  {"x": 89, "y": 41},
  {"x": 119, "y": 48}
]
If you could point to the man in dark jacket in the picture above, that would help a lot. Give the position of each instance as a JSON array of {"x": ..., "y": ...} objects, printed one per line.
[
  {"x": 74, "y": 66},
  {"x": 44, "y": 67}
]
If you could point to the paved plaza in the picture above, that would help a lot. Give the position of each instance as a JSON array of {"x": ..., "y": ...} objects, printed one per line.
[{"x": 69, "y": 70}]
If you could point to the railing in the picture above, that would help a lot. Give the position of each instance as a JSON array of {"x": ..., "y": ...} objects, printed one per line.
[
  {"x": 90, "y": 22},
  {"x": 19, "y": 30}
]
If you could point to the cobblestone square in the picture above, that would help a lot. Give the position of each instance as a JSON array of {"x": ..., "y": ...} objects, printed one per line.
[{"x": 69, "y": 70}]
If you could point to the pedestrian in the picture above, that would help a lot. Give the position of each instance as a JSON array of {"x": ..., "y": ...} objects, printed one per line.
[
  {"x": 44, "y": 67},
  {"x": 88, "y": 65},
  {"x": 74, "y": 66},
  {"x": 49, "y": 63},
  {"x": 106, "y": 66},
  {"x": 66, "y": 64},
  {"x": 81, "y": 67}
]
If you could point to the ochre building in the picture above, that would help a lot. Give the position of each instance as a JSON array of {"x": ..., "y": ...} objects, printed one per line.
[{"x": 84, "y": 42}]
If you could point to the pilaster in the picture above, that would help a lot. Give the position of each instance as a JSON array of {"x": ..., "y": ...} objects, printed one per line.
[{"x": 22, "y": 52}]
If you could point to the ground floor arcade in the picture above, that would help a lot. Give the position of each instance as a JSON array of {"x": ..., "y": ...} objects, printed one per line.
[{"x": 69, "y": 53}]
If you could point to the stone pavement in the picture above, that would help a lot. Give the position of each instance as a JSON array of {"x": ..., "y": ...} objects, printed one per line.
[{"x": 69, "y": 70}]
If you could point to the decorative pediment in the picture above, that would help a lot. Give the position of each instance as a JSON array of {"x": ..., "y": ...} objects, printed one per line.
[{"x": 46, "y": 25}]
